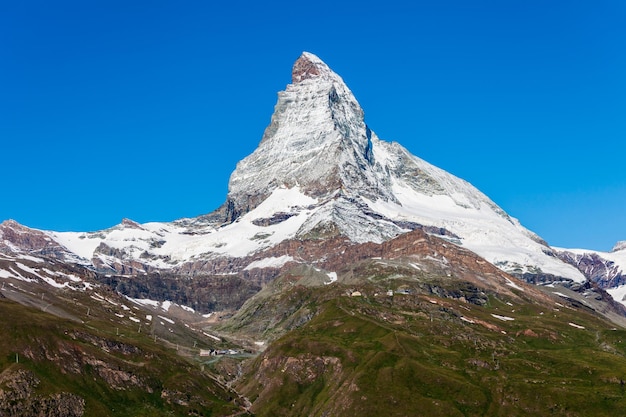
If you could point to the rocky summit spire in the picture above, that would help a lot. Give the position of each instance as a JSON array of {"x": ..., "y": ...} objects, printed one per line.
[
  {"x": 308, "y": 66},
  {"x": 317, "y": 139}
]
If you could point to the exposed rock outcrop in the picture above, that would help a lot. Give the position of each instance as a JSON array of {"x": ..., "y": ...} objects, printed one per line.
[
  {"x": 17, "y": 238},
  {"x": 603, "y": 272},
  {"x": 18, "y": 398}
]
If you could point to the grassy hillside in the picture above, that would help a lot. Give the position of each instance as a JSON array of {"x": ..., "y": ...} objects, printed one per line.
[
  {"x": 62, "y": 367},
  {"x": 420, "y": 354}
]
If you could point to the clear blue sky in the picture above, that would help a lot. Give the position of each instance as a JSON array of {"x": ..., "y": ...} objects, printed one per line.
[{"x": 141, "y": 109}]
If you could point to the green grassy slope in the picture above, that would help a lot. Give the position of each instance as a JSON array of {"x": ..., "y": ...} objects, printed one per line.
[
  {"x": 419, "y": 354},
  {"x": 99, "y": 368}
]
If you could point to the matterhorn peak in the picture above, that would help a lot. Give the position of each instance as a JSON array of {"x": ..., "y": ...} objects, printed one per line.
[
  {"x": 317, "y": 140},
  {"x": 309, "y": 66},
  {"x": 319, "y": 171}
]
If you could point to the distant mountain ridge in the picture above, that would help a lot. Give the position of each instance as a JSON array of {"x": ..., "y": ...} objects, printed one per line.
[{"x": 607, "y": 270}]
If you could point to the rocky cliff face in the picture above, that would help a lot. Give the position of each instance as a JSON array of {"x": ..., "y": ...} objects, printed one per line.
[
  {"x": 317, "y": 140},
  {"x": 606, "y": 273},
  {"x": 15, "y": 237},
  {"x": 17, "y": 398},
  {"x": 604, "y": 269}
]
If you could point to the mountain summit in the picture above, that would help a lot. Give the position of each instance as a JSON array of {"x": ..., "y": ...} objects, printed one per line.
[
  {"x": 310, "y": 66},
  {"x": 367, "y": 189},
  {"x": 317, "y": 140},
  {"x": 319, "y": 172}
]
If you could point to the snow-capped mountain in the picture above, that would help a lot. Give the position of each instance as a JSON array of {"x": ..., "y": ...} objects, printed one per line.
[
  {"x": 605, "y": 269},
  {"x": 319, "y": 172},
  {"x": 369, "y": 189}
]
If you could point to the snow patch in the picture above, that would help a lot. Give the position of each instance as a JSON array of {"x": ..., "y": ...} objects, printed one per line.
[
  {"x": 271, "y": 262},
  {"x": 212, "y": 337},
  {"x": 31, "y": 258},
  {"x": 188, "y": 309},
  {"x": 27, "y": 269},
  {"x": 53, "y": 283},
  {"x": 618, "y": 293},
  {"x": 332, "y": 276},
  {"x": 15, "y": 275},
  {"x": 166, "y": 319},
  {"x": 503, "y": 318},
  {"x": 144, "y": 302},
  {"x": 164, "y": 305},
  {"x": 512, "y": 284}
]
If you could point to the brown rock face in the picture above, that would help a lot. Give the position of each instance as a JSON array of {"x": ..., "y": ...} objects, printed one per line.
[
  {"x": 603, "y": 272},
  {"x": 15, "y": 236},
  {"x": 340, "y": 255},
  {"x": 14, "y": 233},
  {"x": 18, "y": 398},
  {"x": 303, "y": 69}
]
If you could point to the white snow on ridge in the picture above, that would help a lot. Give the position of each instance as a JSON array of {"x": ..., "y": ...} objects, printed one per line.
[
  {"x": 187, "y": 308},
  {"x": 271, "y": 262},
  {"x": 27, "y": 269},
  {"x": 145, "y": 301},
  {"x": 55, "y": 284},
  {"x": 163, "y": 305},
  {"x": 31, "y": 258},
  {"x": 617, "y": 257},
  {"x": 173, "y": 242},
  {"x": 618, "y": 294},
  {"x": 13, "y": 273},
  {"x": 243, "y": 237},
  {"x": 489, "y": 233},
  {"x": 42, "y": 274},
  {"x": 166, "y": 319}
]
